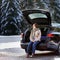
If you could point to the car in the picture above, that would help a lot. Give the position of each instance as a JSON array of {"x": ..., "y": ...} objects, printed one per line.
[{"x": 49, "y": 38}]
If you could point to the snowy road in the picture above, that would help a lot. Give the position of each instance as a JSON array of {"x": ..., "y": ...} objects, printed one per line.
[
  {"x": 10, "y": 45},
  {"x": 10, "y": 49}
]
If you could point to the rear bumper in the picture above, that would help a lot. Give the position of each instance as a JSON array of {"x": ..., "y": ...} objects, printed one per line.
[
  {"x": 24, "y": 45},
  {"x": 42, "y": 46}
]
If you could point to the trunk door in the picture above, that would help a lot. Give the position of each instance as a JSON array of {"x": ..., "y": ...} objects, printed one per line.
[{"x": 40, "y": 17}]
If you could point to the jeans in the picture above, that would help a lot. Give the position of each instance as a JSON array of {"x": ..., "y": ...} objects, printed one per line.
[{"x": 32, "y": 46}]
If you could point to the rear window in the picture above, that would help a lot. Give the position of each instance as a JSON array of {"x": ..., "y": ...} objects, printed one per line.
[{"x": 37, "y": 15}]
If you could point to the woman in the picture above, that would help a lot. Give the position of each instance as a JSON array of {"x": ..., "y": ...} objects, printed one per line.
[{"x": 35, "y": 36}]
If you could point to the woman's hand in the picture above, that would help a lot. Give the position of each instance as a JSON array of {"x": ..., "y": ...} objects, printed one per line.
[
  {"x": 21, "y": 34},
  {"x": 32, "y": 40}
]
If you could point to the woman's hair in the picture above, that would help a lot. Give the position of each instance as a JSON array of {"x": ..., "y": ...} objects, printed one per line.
[{"x": 36, "y": 25}]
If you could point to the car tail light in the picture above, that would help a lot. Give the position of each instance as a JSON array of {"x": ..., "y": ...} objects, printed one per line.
[{"x": 50, "y": 35}]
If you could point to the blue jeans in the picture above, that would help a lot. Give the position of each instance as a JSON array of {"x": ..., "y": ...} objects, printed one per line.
[{"x": 32, "y": 47}]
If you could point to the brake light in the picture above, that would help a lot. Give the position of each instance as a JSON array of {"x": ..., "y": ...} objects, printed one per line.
[{"x": 50, "y": 35}]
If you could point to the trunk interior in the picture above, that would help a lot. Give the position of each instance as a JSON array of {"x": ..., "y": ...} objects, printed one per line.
[{"x": 44, "y": 31}]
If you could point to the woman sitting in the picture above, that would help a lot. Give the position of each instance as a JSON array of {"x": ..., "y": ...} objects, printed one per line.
[{"x": 35, "y": 36}]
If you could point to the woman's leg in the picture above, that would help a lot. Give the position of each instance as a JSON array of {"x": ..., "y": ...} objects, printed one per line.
[
  {"x": 34, "y": 46},
  {"x": 29, "y": 47}
]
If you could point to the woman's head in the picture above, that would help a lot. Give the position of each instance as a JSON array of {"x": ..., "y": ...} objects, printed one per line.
[{"x": 35, "y": 25}]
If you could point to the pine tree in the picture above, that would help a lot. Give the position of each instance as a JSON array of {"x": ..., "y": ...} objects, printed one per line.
[
  {"x": 0, "y": 15},
  {"x": 55, "y": 6},
  {"x": 26, "y": 4},
  {"x": 40, "y": 4},
  {"x": 57, "y": 11},
  {"x": 12, "y": 19}
]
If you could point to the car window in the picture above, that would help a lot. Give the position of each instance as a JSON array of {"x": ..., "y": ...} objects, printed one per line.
[{"x": 37, "y": 15}]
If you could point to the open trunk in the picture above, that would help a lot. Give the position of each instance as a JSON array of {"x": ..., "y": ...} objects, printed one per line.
[
  {"x": 41, "y": 17},
  {"x": 44, "y": 31}
]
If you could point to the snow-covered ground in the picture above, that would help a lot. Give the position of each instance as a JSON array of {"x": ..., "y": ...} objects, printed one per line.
[{"x": 10, "y": 45}]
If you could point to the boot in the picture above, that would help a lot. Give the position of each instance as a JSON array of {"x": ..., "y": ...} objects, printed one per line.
[
  {"x": 27, "y": 55},
  {"x": 33, "y": 54}
]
